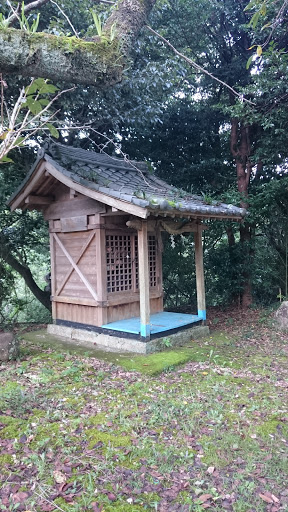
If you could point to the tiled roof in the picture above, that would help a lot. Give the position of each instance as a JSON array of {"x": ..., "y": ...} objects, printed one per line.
[{"x": 128, "y": 181}]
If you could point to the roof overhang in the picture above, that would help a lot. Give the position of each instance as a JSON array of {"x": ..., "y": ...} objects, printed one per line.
[
  {"x": 35, "y": 192},
  {"x": 44, "y": 169}
]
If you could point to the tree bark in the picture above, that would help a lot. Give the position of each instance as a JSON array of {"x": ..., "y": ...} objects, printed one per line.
[
  {"x": 24, "y": 271},
  {"x": 241, "y": 150},
  {"x": 99, "y": 62}
]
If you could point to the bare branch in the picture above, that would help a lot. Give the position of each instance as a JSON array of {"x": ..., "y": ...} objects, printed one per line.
[
  {"x": 65, "y": 16},
  {"x": 104, "y": 2},
  {"x": 199, "y": 68},
  {"x": 27, "y": 8},
  {"x": 15, "y": 134}
]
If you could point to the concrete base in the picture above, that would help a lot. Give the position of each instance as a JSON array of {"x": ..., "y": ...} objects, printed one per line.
[{"x": 100, "y": 340}]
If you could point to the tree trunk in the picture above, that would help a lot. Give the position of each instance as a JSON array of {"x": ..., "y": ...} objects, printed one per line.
[
  {"x": 25, "y": 272},
  {"x": 241, "y": 150},
  {"x": 99, "y": 62},
  {"x": 230, "y": 236},
  {"x": 246, "y": 241}
]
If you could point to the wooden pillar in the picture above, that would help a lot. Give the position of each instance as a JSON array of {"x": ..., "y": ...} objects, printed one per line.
[
  {"x": 144, "y": 282},
  {"x": 200, "y": 285},
  {"x": 53, "y": 272},
  {"x": 101, "y": 269}
]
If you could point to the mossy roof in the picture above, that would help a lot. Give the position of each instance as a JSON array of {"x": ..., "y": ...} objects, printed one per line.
[{"x": 128, "y": 181}]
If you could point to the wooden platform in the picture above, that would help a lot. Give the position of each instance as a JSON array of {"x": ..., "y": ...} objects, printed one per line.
[{"x": 159, "y": 322}]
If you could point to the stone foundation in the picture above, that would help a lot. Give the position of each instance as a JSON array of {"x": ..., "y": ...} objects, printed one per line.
[{"x": 101, "y": 340}]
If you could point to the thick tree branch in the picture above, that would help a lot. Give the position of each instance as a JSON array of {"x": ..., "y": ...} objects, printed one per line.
[
  {"x": 129, "y": 18},
  {"x": 60, "y": 58},
  {"x": 100, "y": 63},
  {"x": 24, "y": 271},
  {"x": 233, "y": 137}
]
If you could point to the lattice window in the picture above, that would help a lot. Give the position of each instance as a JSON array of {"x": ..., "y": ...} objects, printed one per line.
[
  {"x": 152, "y": 260},
  {"x": 122, "y": 262},
  {"x": 136, "y": 266},
  {"x": 119, "y": 263}
]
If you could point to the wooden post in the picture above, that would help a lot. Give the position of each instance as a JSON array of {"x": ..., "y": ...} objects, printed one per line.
[
  {"x": 144, "y": 282},
  {"x": 101, "y": 268},
  {"x": 53, "y": 273},
  {"x": 200, "y": 285}
]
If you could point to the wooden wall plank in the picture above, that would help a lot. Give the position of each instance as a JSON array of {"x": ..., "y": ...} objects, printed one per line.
[
  {"x": 123, "y": 311},
  {"x": 71, "y": 261},
  {"x": 76, "y": 261},
  {"x": 78, "y": 313},
  {"x": 74, "y": 207},
  {"x": 98, "y": 196}
]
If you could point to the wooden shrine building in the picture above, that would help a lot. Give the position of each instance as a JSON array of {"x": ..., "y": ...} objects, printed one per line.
[{"x": 105, "y": 219}]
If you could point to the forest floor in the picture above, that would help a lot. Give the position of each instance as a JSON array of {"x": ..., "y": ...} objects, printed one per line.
[{"x": 200, "y": 427}]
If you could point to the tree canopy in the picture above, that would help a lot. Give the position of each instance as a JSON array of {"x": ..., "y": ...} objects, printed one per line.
[{"x": 224, "y": 138}]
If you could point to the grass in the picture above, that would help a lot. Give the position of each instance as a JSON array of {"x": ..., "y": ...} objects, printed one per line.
[{"x": 204, "y": 427}]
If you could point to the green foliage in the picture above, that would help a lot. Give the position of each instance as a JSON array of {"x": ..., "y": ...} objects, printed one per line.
[
  {"x": 14, "y": 397},
  {"x": 3, "y": 21},
  {"x": 99, "y": 25},
  {"x": 37, "y": 97},
  {"x": 180, "y": 122},
  {"x": 97, "y": 22},
  {"x": 24, "y": 23}
]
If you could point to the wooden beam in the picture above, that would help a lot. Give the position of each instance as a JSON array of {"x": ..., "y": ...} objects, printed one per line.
[
  {"x": 200, "y": 285},
  {"x": 195, "y": 215},
  {"x": 77, "y": 300},
  {"x": 39, "y": 199},
  {"x": 25, "y": 191},
  {"x": 122, "y": 298},
  {"x": 144, "y": 282}
]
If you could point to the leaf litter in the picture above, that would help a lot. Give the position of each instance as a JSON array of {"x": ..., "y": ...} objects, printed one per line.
[{"x": 79, "y": 433}]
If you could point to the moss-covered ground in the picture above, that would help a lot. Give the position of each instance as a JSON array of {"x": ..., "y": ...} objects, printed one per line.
[{"x": 201, "y": 427}]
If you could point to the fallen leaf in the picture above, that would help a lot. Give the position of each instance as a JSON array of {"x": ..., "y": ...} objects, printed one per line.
[
  {"x": 59, "y": 477},
  {"x": 19, "y": 497},
  {"x": 210, "y": 470},
  {"x": 276, "y": 500},
  {"x": 266, "y": 498},
  {"x": 204, "y": 497}
]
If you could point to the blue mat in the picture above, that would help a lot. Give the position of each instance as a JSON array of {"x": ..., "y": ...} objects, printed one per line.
[{"x": 160, "y": 322}]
